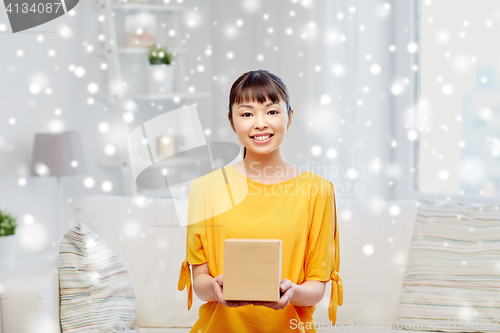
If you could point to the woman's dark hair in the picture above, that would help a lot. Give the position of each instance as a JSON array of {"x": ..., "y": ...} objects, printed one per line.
[{"x": 258, "y": 86}]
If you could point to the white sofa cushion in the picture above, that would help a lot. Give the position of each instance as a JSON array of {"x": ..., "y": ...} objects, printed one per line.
[
  {"x": 453, "y": 269},
  {"x": 29, "y": 299},
  {"x": 371, "y": 280},
  {"x": 147, "y": 235},
  {"x": 96, "y": 291}
]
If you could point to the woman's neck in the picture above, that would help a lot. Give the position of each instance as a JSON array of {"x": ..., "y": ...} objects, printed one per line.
[{"x": 257, "y": 164}]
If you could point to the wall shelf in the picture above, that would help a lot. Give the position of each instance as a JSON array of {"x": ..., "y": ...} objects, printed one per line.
[
  {"x": 153, "y": 97},
  {"x": 109, "y": 163},
  {"x": 148, "y": 6},
  {"x": 137, "y": 51},
  {"x": 175, "y": 161},
  {"x": 158, "y": 97},
  {"x": 113, "y": 50}
]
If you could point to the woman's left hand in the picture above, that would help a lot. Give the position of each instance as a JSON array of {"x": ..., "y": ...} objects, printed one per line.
[{"x": 287, "y": 287}]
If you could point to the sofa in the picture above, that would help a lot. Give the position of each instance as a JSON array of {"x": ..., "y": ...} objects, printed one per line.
[{"x": 374, "y": 245}]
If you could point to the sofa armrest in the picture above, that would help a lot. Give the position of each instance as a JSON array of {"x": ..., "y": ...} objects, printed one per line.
[{"x": 29, "y": 299}]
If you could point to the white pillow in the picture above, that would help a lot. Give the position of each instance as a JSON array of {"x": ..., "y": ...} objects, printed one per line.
[
  {"x": 453, "y": 268},
  {"x": 371, "y": 282},
  {"x": 95, "y": 288},
  {"x": 147, "y": 235}
]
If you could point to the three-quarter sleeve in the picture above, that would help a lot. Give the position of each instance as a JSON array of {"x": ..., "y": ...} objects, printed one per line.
[
  {"x": 322, "y": 254},
  {"x": 195, "y": 240}
]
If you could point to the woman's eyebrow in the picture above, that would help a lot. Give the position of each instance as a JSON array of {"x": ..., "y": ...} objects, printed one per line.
[{"x": 251, "y": 107}]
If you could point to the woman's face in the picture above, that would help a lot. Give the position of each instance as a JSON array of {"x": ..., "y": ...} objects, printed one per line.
[{"x": 261, "y": 127}]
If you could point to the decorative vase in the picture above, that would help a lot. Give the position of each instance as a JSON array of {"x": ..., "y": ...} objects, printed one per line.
[
  {"x": 8, "y": 250},
  {"x": 161, "y": 79}
]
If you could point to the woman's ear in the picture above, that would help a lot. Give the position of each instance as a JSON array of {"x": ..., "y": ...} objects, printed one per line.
[
  {"x": 230, "y": 122},
  {"x": 290, "y": 118}
]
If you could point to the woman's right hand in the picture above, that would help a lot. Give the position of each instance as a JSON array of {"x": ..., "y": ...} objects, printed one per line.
[{"x": 218, "y": 283}]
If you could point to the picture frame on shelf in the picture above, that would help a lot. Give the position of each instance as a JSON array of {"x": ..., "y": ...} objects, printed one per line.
[{"x": 141, "y": 30}]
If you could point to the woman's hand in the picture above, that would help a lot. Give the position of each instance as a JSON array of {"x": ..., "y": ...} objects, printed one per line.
[
  {"x": 218, "y": 283},
  {"x": 288, "y": 288}
]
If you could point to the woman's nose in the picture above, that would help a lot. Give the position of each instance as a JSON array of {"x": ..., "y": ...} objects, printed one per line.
[{"x": 260, "y": 122}]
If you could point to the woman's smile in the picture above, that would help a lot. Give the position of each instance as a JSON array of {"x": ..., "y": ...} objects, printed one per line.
[{"x": 262, "y": 139}]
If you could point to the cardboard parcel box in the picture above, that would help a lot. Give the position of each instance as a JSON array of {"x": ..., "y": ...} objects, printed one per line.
[{"x": 252, "y": 270}]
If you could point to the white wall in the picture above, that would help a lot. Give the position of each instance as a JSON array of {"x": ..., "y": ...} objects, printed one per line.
[
  {"x": 34, "y": 113},
  {"x": 359, "y": 133}
]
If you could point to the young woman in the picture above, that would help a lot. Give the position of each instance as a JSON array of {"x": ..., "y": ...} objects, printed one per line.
[{"x": 280, "y": 202}]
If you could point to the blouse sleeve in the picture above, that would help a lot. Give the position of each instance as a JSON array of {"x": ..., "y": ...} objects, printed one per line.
[
  {"x": 195, "y": 252},
  {"x": 322, "y": 255}
]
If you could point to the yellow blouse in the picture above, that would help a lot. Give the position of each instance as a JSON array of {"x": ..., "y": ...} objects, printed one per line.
[{"x": 300, "y": 211}]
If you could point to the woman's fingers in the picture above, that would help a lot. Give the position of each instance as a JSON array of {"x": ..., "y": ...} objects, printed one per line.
[
  {"x": 218, "y": 288},
  {"x": 285, "y": 299},
  {"x": 286, "y": 296},
  {"x": 235, "y": 304},
  {"x": 285, "y": 285},
  {"x": 219, "y": 296},
  {"x": 286, "y": 288}
]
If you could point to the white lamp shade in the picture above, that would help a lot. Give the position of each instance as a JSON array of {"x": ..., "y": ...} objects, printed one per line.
[{"x": 58, "y": 154}]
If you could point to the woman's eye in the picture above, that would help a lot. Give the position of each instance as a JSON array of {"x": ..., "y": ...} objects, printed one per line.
[
  {"x": 245, "y": 114},
  {"x": 274, "y": 111}
]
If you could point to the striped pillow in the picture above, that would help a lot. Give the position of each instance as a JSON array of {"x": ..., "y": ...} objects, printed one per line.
[
  {"x": 95, "y": 288},
  {"x": 452, "y": 276}
]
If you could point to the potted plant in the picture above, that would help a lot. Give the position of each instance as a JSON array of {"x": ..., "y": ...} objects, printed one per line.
[
  {"x": 7, "y": 239},
  {"x": 161, "y": 71}
]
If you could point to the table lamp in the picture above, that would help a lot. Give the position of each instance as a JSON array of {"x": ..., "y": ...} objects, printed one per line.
[{"x": 58, "y": 155}]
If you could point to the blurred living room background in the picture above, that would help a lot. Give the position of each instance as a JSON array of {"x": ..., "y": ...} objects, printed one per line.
[{"x": 392, "y": 99}]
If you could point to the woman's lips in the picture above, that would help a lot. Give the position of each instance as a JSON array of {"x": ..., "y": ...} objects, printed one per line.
[{"x": 263, "y": 141}]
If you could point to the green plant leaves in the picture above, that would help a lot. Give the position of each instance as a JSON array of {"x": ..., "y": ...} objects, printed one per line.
[
  {"x": 7, "y": 224},
  {"x": 159, "y": 56}
]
